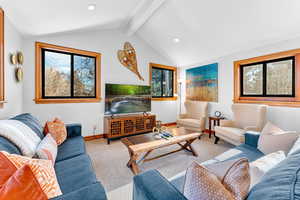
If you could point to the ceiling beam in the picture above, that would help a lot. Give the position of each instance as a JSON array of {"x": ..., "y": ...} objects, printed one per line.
[{"x": 142, "y": 14}]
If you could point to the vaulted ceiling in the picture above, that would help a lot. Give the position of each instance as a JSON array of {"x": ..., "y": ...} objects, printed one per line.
[{"x": 206, "y": 29}]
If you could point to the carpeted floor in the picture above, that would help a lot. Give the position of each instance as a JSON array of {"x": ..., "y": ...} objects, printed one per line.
[{"x": 110, "y": 160}]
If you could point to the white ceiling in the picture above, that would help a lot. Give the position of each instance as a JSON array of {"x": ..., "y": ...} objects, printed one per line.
[
  {"x": 38, "y": 17},
  {"x": 213, "y": 28},
  {"x": 207, "y": 29}
]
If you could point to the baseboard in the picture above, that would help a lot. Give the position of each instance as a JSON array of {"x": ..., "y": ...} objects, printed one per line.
[
  {"x": 170, "y": 124},
  {"x": 94, "y": 137},
  {"x": 206, "y": 131}
]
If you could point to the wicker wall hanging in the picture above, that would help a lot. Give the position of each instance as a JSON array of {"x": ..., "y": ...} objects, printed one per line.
[
  {"x": 17, "y": 59},
  {"x": 127, "y": 58}
]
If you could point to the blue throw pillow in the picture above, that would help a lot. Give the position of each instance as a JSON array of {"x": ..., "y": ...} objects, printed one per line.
[
  {"x": 280, "y": 183},
  {"x": 31, "y": 122}
]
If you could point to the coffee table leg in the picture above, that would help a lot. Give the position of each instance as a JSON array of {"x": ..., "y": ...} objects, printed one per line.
[
  {"x": 193, "y": 150},
  {"x": 145, "y": 156},
  {"x": 132, "y": 163},
  {"x": 188, "y": 146}
]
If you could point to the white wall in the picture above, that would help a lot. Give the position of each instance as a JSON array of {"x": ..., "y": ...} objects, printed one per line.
[
  {"x": 13, "y": 90},
  {"x": 285, "y": 117},
  {"x": 107, "y": 43}
]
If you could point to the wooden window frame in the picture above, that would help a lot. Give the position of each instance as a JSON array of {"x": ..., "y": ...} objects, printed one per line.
[
  {"x": 291, "y": 101},
  {"x": 160, "y": 66},
  {"x": 2, "y": 81},
  {"x": 39, "y": 47}
]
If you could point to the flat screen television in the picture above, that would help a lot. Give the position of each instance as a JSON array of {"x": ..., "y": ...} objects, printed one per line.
[{"x": 121, "y": 99}]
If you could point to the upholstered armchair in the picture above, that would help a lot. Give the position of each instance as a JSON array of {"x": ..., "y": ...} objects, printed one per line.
[
  {"x": 246, "y": 117},
  {"x": 195, "y": 117}
]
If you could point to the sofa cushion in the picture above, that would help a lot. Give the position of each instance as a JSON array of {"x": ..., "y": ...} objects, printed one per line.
[
  {"x": 189, "y": 122},
  {"x": 70, "y": 148},
  {"x": 31, "y": 122},
  {"x": 75, "y": 173},
  {"x": 281, "y": 182},
  {"x": 235, "y": 134},
  {"x": 92, "y": 192},
  {"x": 6, "y": 145},
  {"x": 151, "y": 185},
  {"x": 296, "y": 147},
  {"x": 243, "y": 150}
]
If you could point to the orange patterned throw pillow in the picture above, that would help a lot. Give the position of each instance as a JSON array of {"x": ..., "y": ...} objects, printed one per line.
[
  {"x": 22, "y": 185},
  {"x": 57, "y": 129},
  {"x": 43, "y": 171}
]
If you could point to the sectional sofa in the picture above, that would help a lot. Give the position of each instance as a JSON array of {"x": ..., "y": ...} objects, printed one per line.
[
  {"x": 281, "y": 182},
  {"x": 73, "y": 166}
]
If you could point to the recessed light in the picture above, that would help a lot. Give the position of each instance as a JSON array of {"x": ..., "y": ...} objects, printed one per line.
[
  {"x": 91, "y": 6},
  {"x": 176, "y": 40}
]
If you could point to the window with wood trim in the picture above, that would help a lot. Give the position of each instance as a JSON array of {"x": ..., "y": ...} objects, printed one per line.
[
  {"x": 66, "y": 75},
  {"x": 272, "y": 79},
  {"x": 163, "y": 81},
  {"x": 2, "y": 85}
]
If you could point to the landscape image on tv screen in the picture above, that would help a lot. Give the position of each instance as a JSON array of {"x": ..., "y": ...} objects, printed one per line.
[{"x": 127, "y": 99}]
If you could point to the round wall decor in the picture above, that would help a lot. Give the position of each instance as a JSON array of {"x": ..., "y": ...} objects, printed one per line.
[{"x": 218, "y": 114}]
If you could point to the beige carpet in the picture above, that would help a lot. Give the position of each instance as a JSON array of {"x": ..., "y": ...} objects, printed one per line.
[{"x": 110, "y": 160}]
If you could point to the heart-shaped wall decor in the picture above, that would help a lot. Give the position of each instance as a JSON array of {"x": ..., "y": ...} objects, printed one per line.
[{"x": 127, "y": 58}]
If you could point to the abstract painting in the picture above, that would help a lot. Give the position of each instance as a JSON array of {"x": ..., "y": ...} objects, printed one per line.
[{"x": 202, "y": 83}]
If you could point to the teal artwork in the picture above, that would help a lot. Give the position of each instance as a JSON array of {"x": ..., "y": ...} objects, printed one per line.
[{"x": 202, "y": 83}]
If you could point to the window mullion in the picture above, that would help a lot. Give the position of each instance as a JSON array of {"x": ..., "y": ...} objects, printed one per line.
[
  {"x": 264, "y": 79},
  {"x": 294, "y": 77},
  {"x": 72, "y": 75},
  {"x": 173, "y": 89},
  {"x": 242, "y": 80},
  {"x": 162, "y": 83},
  {"x": 43, "y": 73}
]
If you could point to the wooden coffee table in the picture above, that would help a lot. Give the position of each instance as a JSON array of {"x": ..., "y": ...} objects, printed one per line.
[{"x": 145, "y": 144}]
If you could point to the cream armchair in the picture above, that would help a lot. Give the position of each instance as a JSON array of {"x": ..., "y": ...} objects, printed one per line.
[
  {"x": 246, "y": 117},
  {"x": 195, "y": 117}
]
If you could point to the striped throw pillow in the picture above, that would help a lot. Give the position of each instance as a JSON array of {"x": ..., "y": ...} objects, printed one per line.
[{"x": 47, "y": 149}]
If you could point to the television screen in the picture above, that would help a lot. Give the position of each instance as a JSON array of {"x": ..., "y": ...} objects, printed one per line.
[{"x": 127, "y": 99}]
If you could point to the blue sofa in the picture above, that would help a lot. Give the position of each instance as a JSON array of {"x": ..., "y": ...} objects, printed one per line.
[
  {"x": 281, "y": 182},
  {"x": 73, "y": 166}
]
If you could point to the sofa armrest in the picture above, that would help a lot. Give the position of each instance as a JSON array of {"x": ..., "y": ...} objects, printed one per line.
[
  {"x": 73, "y": 130},
  {"x": 226, "y": 123},
  {"x": 251, "y": 138},
  {"x": 251, "y": 128},
  {"x": 183, "y": 116},
  {"x": 90, "y": 192},
  {"x": 151, "y": 185},
  {"x": 202, "y": 123}
]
